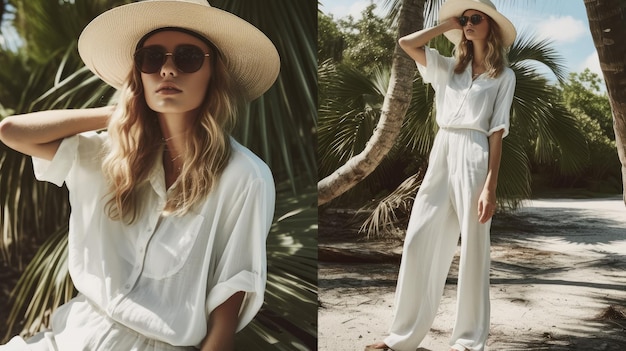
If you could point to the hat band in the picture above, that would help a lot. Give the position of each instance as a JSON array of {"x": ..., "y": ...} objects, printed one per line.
[{"x": 174, "y": 29}]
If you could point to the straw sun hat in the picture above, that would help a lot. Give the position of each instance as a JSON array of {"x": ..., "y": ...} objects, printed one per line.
[
  {"x": 456, "y": 8},
  {"x": 108, "y": 42}
]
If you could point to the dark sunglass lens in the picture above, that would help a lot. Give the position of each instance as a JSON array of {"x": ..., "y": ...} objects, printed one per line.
[
  {"x": 463, "y": 20},
  {"x": 149, "y": 59},
  {"x": 188, "y": 58},
  {"x": 476, "y": 19}
]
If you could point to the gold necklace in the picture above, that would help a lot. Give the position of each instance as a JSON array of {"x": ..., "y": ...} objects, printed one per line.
[
  {"x": 165, "y": 140},
  {"x": 478, "y": 70}
]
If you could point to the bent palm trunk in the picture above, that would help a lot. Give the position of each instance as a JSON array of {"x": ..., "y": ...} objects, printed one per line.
[{"x": 394, "y": 108}]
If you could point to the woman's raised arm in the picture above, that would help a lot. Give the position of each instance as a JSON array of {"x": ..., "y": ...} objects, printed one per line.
[
  {"x": 413, "y": 44},
  {"x": 39, "y": 134}
]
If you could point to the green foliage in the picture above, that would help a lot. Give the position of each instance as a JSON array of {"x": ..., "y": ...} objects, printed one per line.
[
  {"x": 541, "y": 128},
  {"x": 543, "y": 131},
  {"x": 369, "y": 40},
  {"x": 603, "y": 164},
  {"x": 367, "y": 43},
  {"x": 288, "y": 319},
  {"x": 330, "y": 41},
  {"x": 280, "y": 126},
  {"x": 33, "y": 209},
  {"x": 582, "y": 92},
  {"x": 35, "y": 19},
  {"x": 597, "y": 166},
  {"x": 529, "y": 52},
  {"x": 548, "y": 131},
  {"x": 44, "y": 283},
  {"x": 349, "y": 113},
  {"x": 348, "y": 116},
  {"x": 600, "y": 170}
]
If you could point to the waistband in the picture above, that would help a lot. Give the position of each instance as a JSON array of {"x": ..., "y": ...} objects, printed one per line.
[
  {"x": 462, "y": 130},
  {"x": 80, "y": 316}
]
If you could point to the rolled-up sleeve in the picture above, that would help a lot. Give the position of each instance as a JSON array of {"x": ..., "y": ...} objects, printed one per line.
[
  {"x": 56, "y": 170},
  {"x": 437, "y": 69},
  {"x": 500, "y": 120},
  {"x": 243, "y": 264},
  {"x": 85, "y": 149}
]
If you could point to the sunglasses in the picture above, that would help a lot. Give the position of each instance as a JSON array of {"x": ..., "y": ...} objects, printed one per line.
[
  {"x": 475, "y": 19},
  {"x": 187, "y": 58}
]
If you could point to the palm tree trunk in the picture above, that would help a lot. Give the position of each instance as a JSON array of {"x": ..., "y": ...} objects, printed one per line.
[
  {"x": 394, "y": 108},
  {"x": 2, "y": 9},
  {"x": 608, "y": 29}
]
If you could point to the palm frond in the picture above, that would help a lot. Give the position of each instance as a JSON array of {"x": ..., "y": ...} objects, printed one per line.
[
  {"x": 34, "y": 20},
  {"x": 514, "y": 178},
  {"x": 431, "y": 10},
  {"x": 281, "y": 125},
  {"x": 288, "y": 318},
  {"x": 538, "y": 112},
  {"x": 44, "y": 285},
  {"x": 27, "y": 210},
  {"x": 420, "y": 125},
  {"x": 527, "y": 48},
  {"x": 384, "y": 217}
]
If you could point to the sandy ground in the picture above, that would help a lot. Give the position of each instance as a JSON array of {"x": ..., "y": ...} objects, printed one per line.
[{"x": 558, "y": 282}]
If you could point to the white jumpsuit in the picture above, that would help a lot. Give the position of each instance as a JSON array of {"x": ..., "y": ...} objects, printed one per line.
[
  {"x": 468, "y": 111},
  {"x": 151, "y": 285}
]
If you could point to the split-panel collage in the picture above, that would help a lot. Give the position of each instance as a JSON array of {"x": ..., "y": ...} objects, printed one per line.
[{"x": 228, "y": 175}]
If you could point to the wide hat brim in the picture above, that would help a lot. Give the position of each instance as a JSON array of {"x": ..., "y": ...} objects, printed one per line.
[
  {"x": 108, "y": 42},
  {"x": 456, "y": 8}
]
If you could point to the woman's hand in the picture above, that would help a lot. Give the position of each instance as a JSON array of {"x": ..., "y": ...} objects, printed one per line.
[
  {"x": 413, "y": 44},
  {"x": 487, "y": 199},
  {"x": 486, "y": 205},
  {"x": 453, "y": 23}
]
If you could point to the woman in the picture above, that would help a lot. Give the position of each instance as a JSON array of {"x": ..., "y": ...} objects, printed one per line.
[
  {"x": 474, "y": 92},
  {"x": 169, "y": 213}
]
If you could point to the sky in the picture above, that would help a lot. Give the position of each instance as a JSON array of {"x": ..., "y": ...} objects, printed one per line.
[{"x": 562, "y": 21}]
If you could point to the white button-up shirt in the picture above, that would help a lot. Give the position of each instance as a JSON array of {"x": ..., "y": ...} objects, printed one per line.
[
  {"x": 482, "y": 104},
  {"x": 161, "y": 276}
]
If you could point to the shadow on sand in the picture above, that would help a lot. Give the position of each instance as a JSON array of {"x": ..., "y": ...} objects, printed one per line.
[{"x": 538, "y": 267}]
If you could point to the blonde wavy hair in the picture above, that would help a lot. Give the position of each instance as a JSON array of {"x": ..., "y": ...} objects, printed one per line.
[
  {"x": 496, "y": 58},
  {"x": 135, "y": 144}
]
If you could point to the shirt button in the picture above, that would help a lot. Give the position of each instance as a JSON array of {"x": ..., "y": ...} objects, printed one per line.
[
  {"x": 149, "y": 229},
  {"x": 141, "y": 249},
  {"x": 127, "y": 286}
]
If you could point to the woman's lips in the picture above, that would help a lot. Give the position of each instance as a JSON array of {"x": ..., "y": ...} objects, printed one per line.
[{"x": 168, "y": 89}]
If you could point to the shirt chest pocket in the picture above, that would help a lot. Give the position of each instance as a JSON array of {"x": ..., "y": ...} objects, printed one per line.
[{"x": 171, "y": 245}]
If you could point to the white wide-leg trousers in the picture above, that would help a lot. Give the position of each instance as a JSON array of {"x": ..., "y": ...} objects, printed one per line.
[{"x": 446, "y": 205}]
